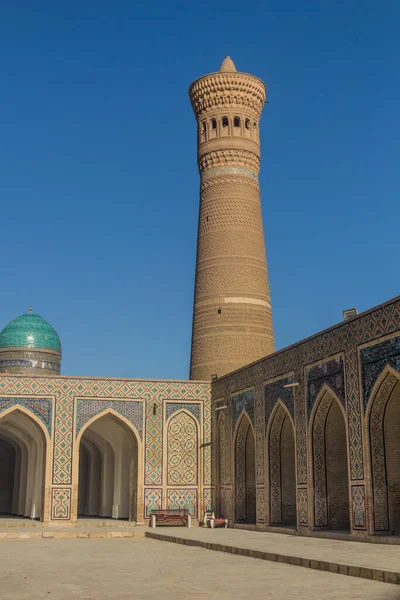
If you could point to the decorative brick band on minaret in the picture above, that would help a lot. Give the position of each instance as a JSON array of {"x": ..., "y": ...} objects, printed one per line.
[{"x": 232, "y": 320}]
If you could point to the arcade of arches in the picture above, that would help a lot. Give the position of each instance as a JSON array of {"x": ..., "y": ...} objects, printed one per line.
[{"x": 325, "y": 414}]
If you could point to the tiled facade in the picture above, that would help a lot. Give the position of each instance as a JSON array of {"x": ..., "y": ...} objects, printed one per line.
[
  {"x": 346, "y": 374},
  {"x": 170, "y": 419}
]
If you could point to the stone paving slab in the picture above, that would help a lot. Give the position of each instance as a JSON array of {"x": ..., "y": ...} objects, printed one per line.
[
  {"x": 368, "y": 561},
  {"x": 147, "y": 569}
]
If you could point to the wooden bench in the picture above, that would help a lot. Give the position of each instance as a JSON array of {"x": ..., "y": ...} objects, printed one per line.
[{"x": 170, "y": 516}]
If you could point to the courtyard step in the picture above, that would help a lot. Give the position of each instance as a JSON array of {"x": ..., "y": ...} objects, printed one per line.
[{"x": 378, "y": 562}]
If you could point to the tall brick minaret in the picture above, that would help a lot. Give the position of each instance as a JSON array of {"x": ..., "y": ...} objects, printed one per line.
[{"x": 232, "y": 320}]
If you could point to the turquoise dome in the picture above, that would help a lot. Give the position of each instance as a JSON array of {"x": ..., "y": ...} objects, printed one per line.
[{"x": 30, "y": 331}]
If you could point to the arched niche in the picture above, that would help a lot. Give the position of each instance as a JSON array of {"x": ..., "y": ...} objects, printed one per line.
[
  {"x": 245, "y": 476},
  {"x": 330, "y": 463},
  {"x": 383, "y": 421},
  {"x": 282, "y": 468},
  {"x": 24, "y": 447},
  {"x": 109, "y": 468}
]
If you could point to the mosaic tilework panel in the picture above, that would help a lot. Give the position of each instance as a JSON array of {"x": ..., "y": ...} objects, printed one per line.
[
  {"x": 275, "y": 391},
  {"x": 61, "y": 504},
  {"x": 259, "y": 416},
  {"x": 39, "y": 407},
  {"x": 207, "y": 444},
  {"x": 154, "y": 442},
  {"x": 157, "y": 392},
  {"x": 183, "y": 499},
  {"x": 260, "y": 505},
  {"x": 331, "y": 373},
  {"x": 130, "y": 409},
  {"x": 207, "y": 499},
  {"x": 152, "y": 501},
  {"x": 302, "y": 506},
  {"x": 242, "y": 401},
  {"x": 358, "y": 506},
  {"x": 373, "y": 361},
  {"x": 182, "y": 443},
  {"x": 173, "y": 407},
  {"x": 221, "y": 441}
]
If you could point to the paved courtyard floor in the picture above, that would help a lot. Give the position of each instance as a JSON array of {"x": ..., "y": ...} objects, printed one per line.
[
  {"x": 367, "y": 555},
  {"x": 122, "y": 569}
]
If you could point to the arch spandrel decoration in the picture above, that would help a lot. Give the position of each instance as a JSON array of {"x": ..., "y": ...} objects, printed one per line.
[
  {"x": 132, "y": 410},
  {"x": 41, "y": 407},
  {"x": 173, "y": 407},
  {"x": 275, "y": 390},
  {"x": 242, "y": 401},
  {"x": 182, "y": 441},
  {"x": 374, "y": 362}
]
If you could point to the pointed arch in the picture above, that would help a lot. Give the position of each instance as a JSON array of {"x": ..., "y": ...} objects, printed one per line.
[
  {"x": 109, "y": 460},
  {"x": 383, "y": 422},
  {"x": 329, "y": 445},
  {"x": 281, "y": 476},
  {"x": 29, "y": 480},
  {"x": 245, "y": 484},
  {"x": 182, "y": 449}
]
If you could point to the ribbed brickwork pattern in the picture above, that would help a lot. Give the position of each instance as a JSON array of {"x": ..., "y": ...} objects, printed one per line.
[{"x": 232, "y": 321}]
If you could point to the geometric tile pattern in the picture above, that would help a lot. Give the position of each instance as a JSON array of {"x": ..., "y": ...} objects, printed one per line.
[
  {"x": 182, "y": 440},
  {"x": 275, "y": 391},
  {"x": 330, "y": 373},
  {"x": 207, "y": 444},
  {"x": 374, "y": 359},
  {"x": 221, "y": 464},
  {"x": 189, "y": 406},
  {"x": 41, "y": 407},
  {"x": 260, "y": 505},
  {"x": 133, "y": 411},
  {"x": 358, "y": 506},
  {"x": 152, "y": 501},
  {"x": 302, "y": 506},
  {"x": 242, "y": 401},
  {"x": 60, "y": 503},
  {"x": 183, "y": 499},
  {"x": 207, "y": 499}
]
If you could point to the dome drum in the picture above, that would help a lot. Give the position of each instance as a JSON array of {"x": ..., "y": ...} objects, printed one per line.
[{"x": 29, "y": 362}]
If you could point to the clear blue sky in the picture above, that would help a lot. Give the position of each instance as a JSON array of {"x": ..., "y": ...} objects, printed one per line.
[{"x": 99, "y": 184}]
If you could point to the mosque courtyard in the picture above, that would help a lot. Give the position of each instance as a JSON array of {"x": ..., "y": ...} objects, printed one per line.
[{"x": 89, "y": 569}]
